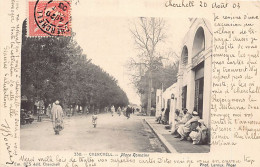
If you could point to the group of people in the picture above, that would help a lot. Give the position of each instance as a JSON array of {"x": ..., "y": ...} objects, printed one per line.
[
  {"x": 26, "y": 117},
  {"x": 56, "y": 114},
  {"x": 186, "y": 126},
  {"x": 189, "y": 126},
  {"x": 125, "y": 110}
]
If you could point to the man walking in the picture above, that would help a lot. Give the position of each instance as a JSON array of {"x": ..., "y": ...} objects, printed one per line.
[
  {"x": 57, "y": 117},
  {"x": 119, "y": 110},
  {"x": 113, "y": 110},
  {"x": 128, "y": 111}
]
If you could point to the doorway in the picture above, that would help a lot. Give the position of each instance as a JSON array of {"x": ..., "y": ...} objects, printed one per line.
[{"x": 199, "y": 87}]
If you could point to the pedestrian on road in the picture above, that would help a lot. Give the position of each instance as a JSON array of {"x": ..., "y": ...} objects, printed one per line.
[
  {"x": 113, "y": 110},
  {"x": 95, "y": 117},
  {"x": 119, "y": 110},
  {"x": 57, "y": 117},
  {"x": 128, "y": 111},
  {"x": 71, "y": 111},
  {"x": 48, "y": 111},
  {"x": 106, "y": 109},
  {"x": 123, "y": 110},
  {"x": 86, "y": 109}
]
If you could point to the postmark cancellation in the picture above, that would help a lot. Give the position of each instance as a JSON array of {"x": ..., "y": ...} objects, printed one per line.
[{"x": 49, "y": 18}]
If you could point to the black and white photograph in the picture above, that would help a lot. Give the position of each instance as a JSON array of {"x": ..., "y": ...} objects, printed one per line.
[
  {"x": 88, "y": 83},
  {"x": 118, "y": 84}
]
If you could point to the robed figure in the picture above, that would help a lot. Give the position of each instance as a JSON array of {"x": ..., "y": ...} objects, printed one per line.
[
  {"x": 113, "y": 110},
  {"x": 57, "y": 117}
]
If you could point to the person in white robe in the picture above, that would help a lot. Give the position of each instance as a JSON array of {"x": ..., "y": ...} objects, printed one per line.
[
  {"x": 175, "y": 123},
  {"x": 119, "y": 110},
  {"x": 185, "y": 118},
  {"x": 48, "y": 111},
  {"x": 199, "y": 135},
  {"x": 184, "y": 130},
  {"x": 113, "y": 110},
  {"x": 57, "y": 117}
]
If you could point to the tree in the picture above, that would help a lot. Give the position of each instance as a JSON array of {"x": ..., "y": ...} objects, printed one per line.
[
  {"x": 56, "y": 68},
  {"x": 148, "y": 33},
  {"x": 165, "y": 75}
]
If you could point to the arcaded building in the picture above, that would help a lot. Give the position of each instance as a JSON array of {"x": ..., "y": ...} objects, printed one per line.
[
  {"x": 193, "y": 87},
  {"x": 194, "y": 76}
]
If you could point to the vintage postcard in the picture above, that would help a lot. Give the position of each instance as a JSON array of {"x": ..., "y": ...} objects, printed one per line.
[{"x": 130, "y": 83}]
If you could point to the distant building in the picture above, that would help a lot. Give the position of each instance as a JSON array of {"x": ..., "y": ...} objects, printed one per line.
[{"x": 170, "y": 98}]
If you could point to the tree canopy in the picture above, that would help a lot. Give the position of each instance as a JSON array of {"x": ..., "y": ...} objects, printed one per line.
[
  {"x": 164, "y": 77},
  {"x": 56, "y": 68}
]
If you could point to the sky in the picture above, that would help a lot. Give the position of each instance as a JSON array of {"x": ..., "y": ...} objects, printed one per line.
[{"x": 108, "y": 42}]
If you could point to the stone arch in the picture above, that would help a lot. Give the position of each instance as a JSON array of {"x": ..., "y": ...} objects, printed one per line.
[{"x": 198, "y": 42}]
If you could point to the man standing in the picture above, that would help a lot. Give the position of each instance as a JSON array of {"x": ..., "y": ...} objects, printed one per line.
[
  {"x": 48, "y": 111},
  {"x": 128, "y": 111},
  {"x": 119, "y": 110},
  {"x": 57, "y": 117},
  {"x": 112, "y": 110}
]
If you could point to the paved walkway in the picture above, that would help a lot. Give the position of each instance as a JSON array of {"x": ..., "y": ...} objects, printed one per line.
[{"x": 174, "y": 144}]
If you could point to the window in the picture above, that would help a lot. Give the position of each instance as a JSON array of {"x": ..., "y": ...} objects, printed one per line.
[
  {"x": 198, "y": 106},
  {"x": 184, "y": 97},
  {"x": 184, "y": 55}
]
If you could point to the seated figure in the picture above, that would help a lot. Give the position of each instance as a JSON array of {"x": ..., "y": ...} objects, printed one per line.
[
  {"x": 159, "y": 118},
  {"x": 174, "y": 124},
  {"x": 199, "y": 134},
  {"x": 184, "y": 130},
  {"x": 181, "y": 120}
]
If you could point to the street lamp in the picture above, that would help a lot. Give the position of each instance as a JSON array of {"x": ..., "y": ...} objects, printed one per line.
[{"x": 172, "y": 96}]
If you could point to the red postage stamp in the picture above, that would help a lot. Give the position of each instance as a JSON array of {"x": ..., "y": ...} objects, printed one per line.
[{"x": 49, "y": 18}]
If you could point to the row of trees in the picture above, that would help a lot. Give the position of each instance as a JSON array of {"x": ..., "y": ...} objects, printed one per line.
[
  {"x": 56, "y": 68},
  {"x": 148, "y": 70}
]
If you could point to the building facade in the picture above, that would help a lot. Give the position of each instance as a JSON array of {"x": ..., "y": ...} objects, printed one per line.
[
  {"x": 194, "y": 75},
  {"x": 193, "y": 87}
]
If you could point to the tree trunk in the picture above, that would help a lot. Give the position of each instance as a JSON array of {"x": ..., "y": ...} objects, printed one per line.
[{"x": 149, "y": 94}]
